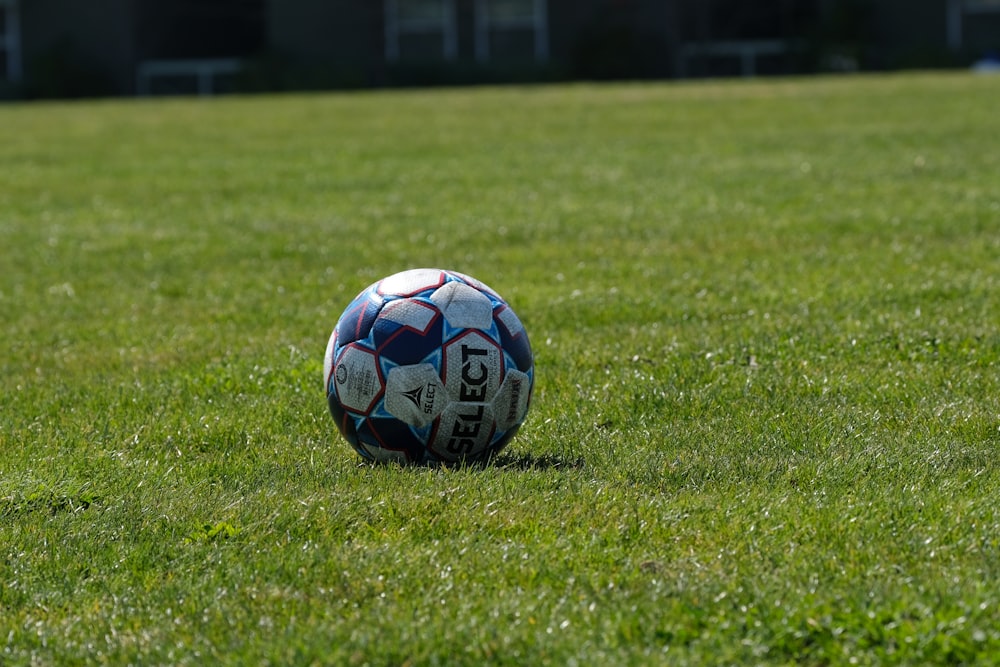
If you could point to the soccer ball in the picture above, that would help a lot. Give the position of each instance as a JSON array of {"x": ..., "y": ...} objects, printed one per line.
[{"x": 428, "y": 366}]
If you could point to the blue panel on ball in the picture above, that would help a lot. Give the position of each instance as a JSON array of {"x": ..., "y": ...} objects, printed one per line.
[
  {"x": 343, "y": 420},
  {"x": 357, "y": 320},
  {"x": 394, "y": 435},
  {"x": 404, "y": 345},
  {"x": 516, "y": 345},
  {"x": 504, "y": 438}
]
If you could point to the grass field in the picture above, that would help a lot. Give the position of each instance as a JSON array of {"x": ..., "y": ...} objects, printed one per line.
[{"x": 766, "y": 322}]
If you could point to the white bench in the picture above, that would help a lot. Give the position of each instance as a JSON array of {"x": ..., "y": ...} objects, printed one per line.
[{"x": 205, "y": 71}]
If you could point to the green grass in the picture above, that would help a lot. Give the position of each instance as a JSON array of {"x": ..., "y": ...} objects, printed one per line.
[{"x": 767, "y": 409}]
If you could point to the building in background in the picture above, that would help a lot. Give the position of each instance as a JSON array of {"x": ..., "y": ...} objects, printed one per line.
[
  {"x": 69, "y": 48},
  {"x": 66, "y": 48}
]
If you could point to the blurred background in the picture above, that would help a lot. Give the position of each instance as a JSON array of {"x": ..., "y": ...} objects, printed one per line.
[{"x": 68, "y": 48}]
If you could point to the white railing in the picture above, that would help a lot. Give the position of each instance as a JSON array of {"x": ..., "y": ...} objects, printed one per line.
[
  {"x": 956, "y": 12},
  {"x": 205, "y": 71},
  {"x": 747, "y": 51},
  {"x": 536, "y": 21},
  {"x": 396, "y": 26}
]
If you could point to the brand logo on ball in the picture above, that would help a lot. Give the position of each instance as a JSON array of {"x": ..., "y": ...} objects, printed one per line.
[
  {"x": 515, "y": 397},
  {"x": 422, "y": 397},
  {"x": 341, "y": 374},
  {"x": 414, "y": 395},
  {"x": 473, "y": 368},
  {"x": 465, "y": 430},
  {"x": 475, "y": 374}
]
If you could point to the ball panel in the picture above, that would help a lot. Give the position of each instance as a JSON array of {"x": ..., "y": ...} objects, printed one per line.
[
  {"x": 356, "y": 322},
  {"x": 331, "y": 346},
  {"x": 405, "y": 343},
  {"x": 390, "y": 440},
  {"x": 503, "y": 440},
  {"x": 511, "y": 403},
  {"x": 415, "y": 395},
  {"x": 408, "y": 283},
  {"x": 514, "y": 338},
  {"x": 463, "y": 306},
  {"x": 375, "y": 452},
  {"x": 473, "y": 367},
  {"x": 357, "y": 379},
  {"x": 463, "y": 432},
  {"x": 344, "y": 422},
  {"x": 478, "y": 284},
  {"x": 413, "y": 313}
]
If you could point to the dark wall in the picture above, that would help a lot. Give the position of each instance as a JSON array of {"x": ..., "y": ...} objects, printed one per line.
[
  {"x": 74, "y": 49},
  {"x": 344, "y": 30},
  {"x": 605, "y": 39},
  {"x": 330, "y": 42},
  {"x": 906, "y": 33},
  {"x": 93, "y": 47},
  {"x": 199, "y": 28},
  {"x": 981, "y": 35},
  {"x": 587, "y": 39},
  {"x": 736, "y": 19}
]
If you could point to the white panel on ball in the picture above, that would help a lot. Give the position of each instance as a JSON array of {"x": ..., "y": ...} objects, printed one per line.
[
  {"x": 464, "y": 431},
  {"x": 411, "y": 282},
  {"x": 511, "y": 322},
  {"x": 473, "y": 364},
  {"x": 409, "y": 312},
  {"x": 478, "y": 284},
  {"x": 328, "y": 359},
  {"x": 415, "y": 394},
  {"x": 464, "y": 306},
  {"x": 384, "y": 455},
  {"x": 511, "y": 403},
  {"x": 357, "y": 379}
]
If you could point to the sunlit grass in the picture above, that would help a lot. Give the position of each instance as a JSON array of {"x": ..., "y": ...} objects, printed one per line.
[{"x": 766, "y": 419}]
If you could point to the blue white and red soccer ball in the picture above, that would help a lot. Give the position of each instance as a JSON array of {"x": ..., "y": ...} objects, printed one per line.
[{"x": 428, "y": 366}]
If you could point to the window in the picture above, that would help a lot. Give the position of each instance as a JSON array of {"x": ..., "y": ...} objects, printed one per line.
[
  {"x": 10, "y": 41},
  {"x": 420, "y": 30},
  {"x": 962, "y": 19},
  {"x": 512, "y": 30},
  {"x": 972, "y": 6}
]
